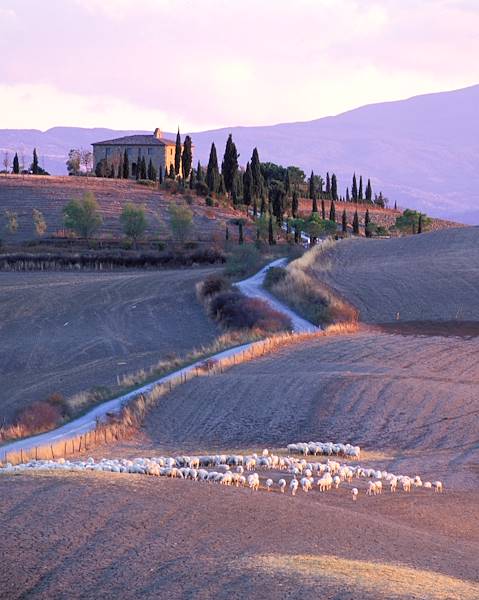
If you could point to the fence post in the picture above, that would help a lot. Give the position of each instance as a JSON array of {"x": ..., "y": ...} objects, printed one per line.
[
  {"x": 36, "y": 452},
  {"x": 51, "y": 448},
  {"x": 21, "y": 455}
]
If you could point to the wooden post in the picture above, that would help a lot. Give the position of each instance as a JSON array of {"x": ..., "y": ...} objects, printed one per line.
[
  {"x": 36, "y": 452},
  {"x": 21, "y": 455},
  {"x": 79, "y": 445},
  {"x": 51, "y": 448},
  {"x": 65, "y": 450}
]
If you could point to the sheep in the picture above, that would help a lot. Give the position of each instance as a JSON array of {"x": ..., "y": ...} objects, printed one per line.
[
  {"x": 240, "y": 470},
  {"x": 438, "y": 487},
  {"x": 265, "y": 452},
  {"x": 325, "y": 482},
  {"x": 305, "y": 484},
  {"x": 253, "y": 482},
  {"x": 269, "y": 484},
  {"x": 393, "y": 482},
  {"x": 282, "y": 485},
  {"x": 227, "y": 479},
  {"x": 250, "y": 463},
  {"x": 379, "y": 487},
  {"x": 427, "y": 485},
  {"x": 406, "y": 484},
  {"x": 354, "y": 493},
  {"x": 293, "y": 486},
  {"x": 371, "y": 489}
]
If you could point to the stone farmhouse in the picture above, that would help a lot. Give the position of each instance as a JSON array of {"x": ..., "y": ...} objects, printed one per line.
[{"x": 154, "y": 147}]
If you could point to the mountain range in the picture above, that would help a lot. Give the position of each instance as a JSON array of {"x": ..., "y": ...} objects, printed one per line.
[{"x": 422, "y": 152}]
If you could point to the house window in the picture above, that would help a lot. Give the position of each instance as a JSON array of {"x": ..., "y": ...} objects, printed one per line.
[
  {"x": 151, "y": 151},
  {"x": 108, "y": 152},
  {"x": 133, "y": 169}
]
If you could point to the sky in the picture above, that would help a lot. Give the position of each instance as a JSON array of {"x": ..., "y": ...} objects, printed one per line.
[{"x": 203, "y": 64}]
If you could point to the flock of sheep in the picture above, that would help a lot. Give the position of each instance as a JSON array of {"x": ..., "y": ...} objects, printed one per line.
[{"x": 236, "y": 470}]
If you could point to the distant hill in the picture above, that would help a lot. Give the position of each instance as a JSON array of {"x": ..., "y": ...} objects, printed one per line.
[{"x": 422, "y": 152}]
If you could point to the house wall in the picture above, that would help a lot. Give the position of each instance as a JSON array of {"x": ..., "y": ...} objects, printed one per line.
[{"x": 159, "y": 155}]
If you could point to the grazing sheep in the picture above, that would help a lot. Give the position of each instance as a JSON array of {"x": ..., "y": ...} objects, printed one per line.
[
  {"x": 325, "y": 482},
  {"x": 437, "y": 485},
  {"x": 427, "y": 485},
  {"x": 379, "y": 487},
  {"x": 282, "y": 485},
  {"x": 371, "y": 491},
  {"x": 253, "y": 482},
  {"x": 355, "y": 492},
  {"x": 393, "y": 482},
  {"x": 240, "y": 470},
  {"x": 305, "y": 484},
  {"x": 336, "y": 481},
  {"x": 293, "y": 486},
  {"x": 269, "y": 484},
  {"x": 406, "y": 484}
]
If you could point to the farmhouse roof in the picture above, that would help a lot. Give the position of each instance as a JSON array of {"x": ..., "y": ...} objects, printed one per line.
[{"x": 136, "y": 140}]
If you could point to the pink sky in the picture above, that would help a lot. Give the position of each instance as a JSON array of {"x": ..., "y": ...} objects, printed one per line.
[{"x": 213, "y": 63}]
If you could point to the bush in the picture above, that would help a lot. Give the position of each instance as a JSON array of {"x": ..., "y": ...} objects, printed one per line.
[
  {"x": 201, "y": 188},
  {"x": 170, "y": 185},
  {"x": 147, "y": 182},
  {"x": 209, "y": 201},
  {"x": 188, "y": 199},
  {"x": 243, "y": 260},
  {"x": 214, "y": 284},
  {"x": 273, "y": 276},
  {"x": 236, "y": 311},
  {"x": 39, "y": 416}
]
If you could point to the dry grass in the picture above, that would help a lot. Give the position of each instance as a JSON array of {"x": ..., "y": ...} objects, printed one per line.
[
  {"x": 311, "y": 298},
  {"x": 364, "y": 577}
]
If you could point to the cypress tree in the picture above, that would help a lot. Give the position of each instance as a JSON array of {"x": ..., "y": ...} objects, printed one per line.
[
  {"x": 248, "y": 185},
  {"x": 328, "y": 186},
  {"x": 177, "y": 154},
  {"x": 126, "y": 165},
  {"x": 257, "y": 175},
  {"x": 186, "y": 157},
  {"x": 360, "y": 193},
  {"x": 262, "y": 208},
  {"x": 149, "y": 172},
  {"x": 344, "y": 222},
  {"x": 160, "y": 175},
  {"x": 222, "y": 187},
  {"x": 227, "y": 233},
  {"x": 229, "y": 167},
  {"x": 270, "y": 231},
  {"x": 312, "y": 193},
  {"x": 143, "y": 168},
  {"x": 347, "y": 195},
  {"x": 199, "y": 172},
  {"x": 34, "y": 166},
  {"x": 419, "y": 225},
  {"x": 323, "y": 210},
  {"x": 334, "y": 187},
  {"x": 356, "y": 223},
  {"x": 332, "y": 212},
  {"x": 138, "y": 167},
  {"x": 112, "y": 171},
  {"x": 16, "y": 165},
  {"x": 367, "y": 220},
  {"x": 287, "y": 183},
  {"x": 395, "y": 206},
  {"x": 354, "y": 189},
  {"x": 240, "y": 232},
  {"x": 369, "y": 192},
  {"x": 171, "y": 173},
  {"x": 120, "y": 168},
  {"x": 294, "y": 204},
  {"x": 212, "y": 172},
  {"x": 192, "y": 179}
]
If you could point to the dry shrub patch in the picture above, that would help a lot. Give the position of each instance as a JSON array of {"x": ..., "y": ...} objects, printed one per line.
[{"x": 299, "y": 287}]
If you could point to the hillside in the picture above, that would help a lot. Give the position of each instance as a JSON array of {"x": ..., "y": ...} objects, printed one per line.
[
  {"x": 428, "y": 277},
  {"x": 51, "y": 194},
  {"x": 72, "y": 332},
  {"x": 421, "y": 152}
]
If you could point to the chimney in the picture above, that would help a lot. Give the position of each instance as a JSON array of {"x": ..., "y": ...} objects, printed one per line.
[{"x": 158, "y": 133}]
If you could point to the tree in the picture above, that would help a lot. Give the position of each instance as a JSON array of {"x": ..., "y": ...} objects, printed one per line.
[
  {"x": 82, "y": 216},
  {"x": 248, "y": 186},
  {"x": 294, "y": 204},
  {"x": 348, "y": 199},
  {"x": 276, "y": 198},
  {"x": 133, "y": 221},
  {"x": 16, "y": 165},
  {"x": 367, "y": 221},
  {"x": 240, "y": 223},
  {"x": 328, "y": 186},
  {"x": 160, "y": 175},
  {"x": 332, "y": 212},
  {"x": 181, "y": 220},
  {"x": 192, "y": 179},
  {"x": 419, "y": 225},
  {"x": 315, "y": 227},
  {"x": 312, "y": 192},
  {"x": 323, "y": 210},
  {"x": 334, "y": 187},
  {"x": 151, "y": 171},
  {"x": 39, "y": 222},
  {"x": 143, "y": 168},
  {"x": 229, "y": 166},
  {"x": 34, "y": 167},
  {"x": 177, "y": 154},
  {"x": 287, "y": 183},
  {"x": 221, "y": 187},
  {"x": 102, "y": 169},
  {"x": 212, "y": 171},
  {"x": 344, "y": 222},
  {"x": 86, "y": 159},
  {"x": 187, "y": 157},
  {"x": 356, "y": 223},
  {"x": 258, "y": 182},
  {"x": 297, "y": 225},
  {"x": 354, "y": 189},
  {"x": 271, "y": 239},
  {"x": 360, "y": 192},
  {"x": 125, "y": 165},
  {"x": 382, "y": 201},
  {"x": 199, "y": 171},
  {"x": 171, "y": 173},
  {"x": 369, "y": 192},
  {"x": 409, "y": 221}
]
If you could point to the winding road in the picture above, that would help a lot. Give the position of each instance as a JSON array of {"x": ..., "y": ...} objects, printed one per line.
[{"x": 251, "y": 287}]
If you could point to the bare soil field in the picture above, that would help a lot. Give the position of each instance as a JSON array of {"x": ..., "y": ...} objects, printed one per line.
[
  {"x": 105, "y": 536},
  {"x": 50, "y": 194},
  {"x": 428, "y": 277},
  {"x": 412, "y": 398},
  {"x": 70, "y": 332}
]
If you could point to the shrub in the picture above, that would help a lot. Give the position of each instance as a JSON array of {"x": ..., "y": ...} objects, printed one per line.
[
  {"x": 188, "y": 199},
  {"x": 201, "y": 188},
  {"x": 39, "y": 416},
  {"x": 273, "y": 276},
  {"x": 181, "y": 220},
  {"x": 214, "y": 284},
  {"x": 147, "y": 182},
  {"x": 243, "y": 260},
  {"x": 209, "y": 201}
]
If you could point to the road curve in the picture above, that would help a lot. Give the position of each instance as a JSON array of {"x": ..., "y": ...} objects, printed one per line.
[{"x": 250, "y": 287}]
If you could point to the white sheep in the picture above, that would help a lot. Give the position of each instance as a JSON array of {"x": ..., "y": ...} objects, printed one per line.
[
  {"x": 293, "y": 486},
  {"x": 282, "y": 485},
  {"x": 336, "y": 481},
  {"x": 354, "y": 493},
  {"x": 305, "y": 484},
  {"x": 269, "y": 484},
  {"x": 437, "y": 485},
  {"x": 253, "y": 481}
]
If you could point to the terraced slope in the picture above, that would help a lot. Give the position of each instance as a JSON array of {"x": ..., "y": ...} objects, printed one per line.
[
  {"x": 428, "y": 277},
  {"x": 412, "y": 397},
  {"x": 70, "y": 332}
]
